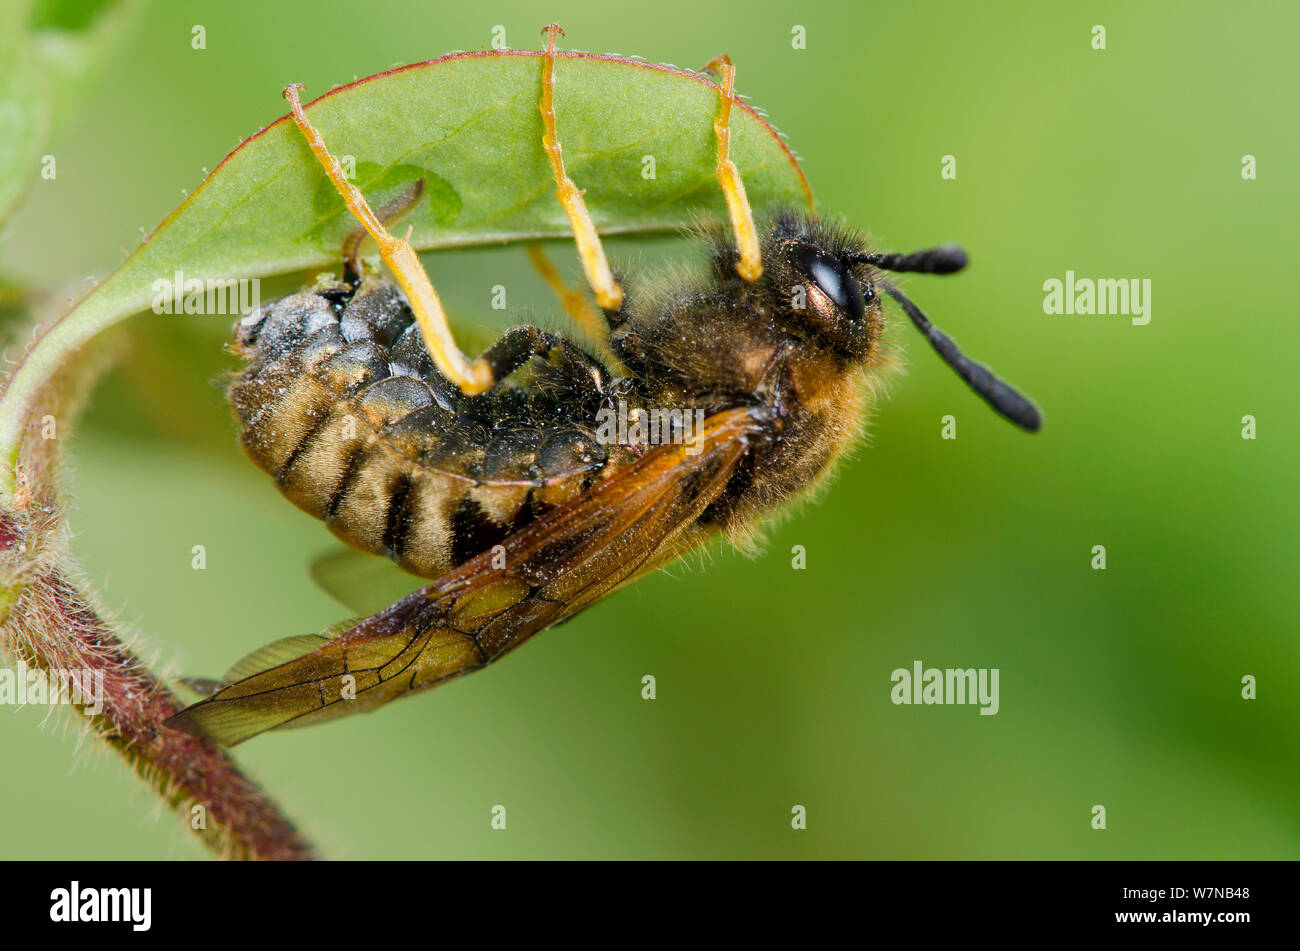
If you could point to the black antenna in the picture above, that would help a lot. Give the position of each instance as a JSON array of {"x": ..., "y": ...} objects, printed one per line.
[
  {"x": 1005, "y": 399},
  {"x": 945, "y": 259}
]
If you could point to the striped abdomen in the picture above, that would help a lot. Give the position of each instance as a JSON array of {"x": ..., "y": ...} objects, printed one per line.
[{"x": 342, "y": 406}]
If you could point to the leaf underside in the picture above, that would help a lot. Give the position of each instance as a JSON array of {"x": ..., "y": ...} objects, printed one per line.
[
  {"x": 637, "y": 137},
  {"x": 468, "y": 124}
]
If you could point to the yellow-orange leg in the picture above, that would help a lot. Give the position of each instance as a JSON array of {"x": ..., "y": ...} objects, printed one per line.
[
  {"x": 576, "y": 306},
  {"x": 395, "y": 209},
  {"x": 750, "y": 265},
  {"x": 402, "y": 260},
  {"x": 594, "y": 264}
]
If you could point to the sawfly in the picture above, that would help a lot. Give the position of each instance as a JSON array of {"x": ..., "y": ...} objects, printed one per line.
[{"x": 542, "y": 476}]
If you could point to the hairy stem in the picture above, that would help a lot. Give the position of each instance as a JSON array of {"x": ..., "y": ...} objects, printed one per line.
[
  {"x": 50, "y": 624},
  {"x": 52, "y": 628}
]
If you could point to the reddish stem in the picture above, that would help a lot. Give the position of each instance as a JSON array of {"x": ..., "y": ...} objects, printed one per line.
[{"x": 51, "y": 626}]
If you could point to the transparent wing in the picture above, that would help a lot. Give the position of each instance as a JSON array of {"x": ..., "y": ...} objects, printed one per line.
[
  {"x": 621, "y": 528},
  {"x": 361, "y": 582}
]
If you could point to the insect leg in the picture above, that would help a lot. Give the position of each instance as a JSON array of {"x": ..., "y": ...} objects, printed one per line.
[
  {"x": 594, "y": 263},
  {"x": 402, "y": 260},
  {"x": 750, "y": 265},
  {"x": 518, "y": 345},
  {"x": 576, "y": 306},
  {"x": 352, "y": 270}
]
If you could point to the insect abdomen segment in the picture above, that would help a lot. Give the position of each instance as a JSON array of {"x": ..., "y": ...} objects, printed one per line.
[{"x": 342, "y": 406}]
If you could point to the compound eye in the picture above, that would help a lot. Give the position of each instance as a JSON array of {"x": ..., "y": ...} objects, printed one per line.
[{"x": 831, "y": 277}]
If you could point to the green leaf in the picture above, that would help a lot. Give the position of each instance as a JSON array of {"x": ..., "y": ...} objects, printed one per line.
[
  {"x": 67, "y": 16},
  {"x": 48, "y": 49},
  {"x": 24, "y": 111},
  {"x": 638, "y": 137}
]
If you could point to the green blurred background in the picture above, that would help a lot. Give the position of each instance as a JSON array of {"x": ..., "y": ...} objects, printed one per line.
[{"x": 1119, "y": 687}]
